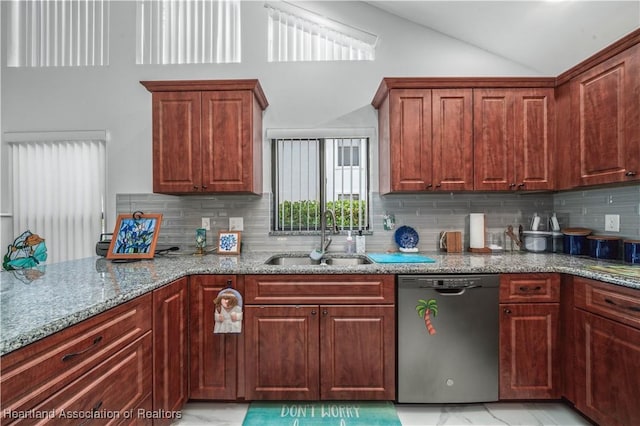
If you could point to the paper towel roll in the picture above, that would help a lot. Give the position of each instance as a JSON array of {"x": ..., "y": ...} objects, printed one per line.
[{"x": 476, "y": 230}]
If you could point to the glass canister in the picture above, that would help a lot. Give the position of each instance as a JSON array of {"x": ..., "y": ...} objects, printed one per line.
[
  {"x": 575, "y": 241},
  {"x": 604, "y": 247},
  {"x": 632, "y": 251}
]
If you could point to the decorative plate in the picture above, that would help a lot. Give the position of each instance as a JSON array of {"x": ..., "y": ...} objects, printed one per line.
[{"x": 406, "y": 237}]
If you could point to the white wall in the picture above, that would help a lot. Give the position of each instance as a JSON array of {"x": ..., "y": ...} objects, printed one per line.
[{"x": 301, "y": 95}]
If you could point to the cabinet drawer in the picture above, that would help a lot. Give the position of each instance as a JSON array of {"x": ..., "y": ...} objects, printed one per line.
[
  {"x": 336, "y": 289},
  {"x": 44, "y": 367},
  {"x": 115, "y": 392},
  {"x": 530, "y": 288},
  {"x": 611, "y": 301}
]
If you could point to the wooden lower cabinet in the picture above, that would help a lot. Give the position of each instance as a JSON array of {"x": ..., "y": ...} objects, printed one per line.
[
  {"x": 99, "y": 369},
  {"x": 528, "y": 351},
  {"x": 608, "y": 370},
  {"x": 324, "y": 352},
  {"x": 607, "y": 349},
  {"x": 170, "y": 348},
  {"x": 529, "y": 329},
  {"x": 213, "y": 357},
  {"x": 116, "y": 392}
]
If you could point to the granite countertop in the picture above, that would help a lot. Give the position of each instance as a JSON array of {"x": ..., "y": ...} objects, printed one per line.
[{"x": 35, "y": 303}]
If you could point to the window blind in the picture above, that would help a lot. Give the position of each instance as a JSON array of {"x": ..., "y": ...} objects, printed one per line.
[
  {"x": 58, "y": 193},
  {"x": 55, "y": 33},
  {"x": 296, "y": 34},
  {"x": 188, "y": 32}
]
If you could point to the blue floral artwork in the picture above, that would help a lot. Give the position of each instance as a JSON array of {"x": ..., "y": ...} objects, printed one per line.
[
  {"x": 135, "y": 237},
  {"x": 229, "y": 242}
]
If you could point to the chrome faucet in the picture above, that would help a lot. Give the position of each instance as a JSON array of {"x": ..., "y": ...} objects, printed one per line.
[{"x": 324, "y": 240}]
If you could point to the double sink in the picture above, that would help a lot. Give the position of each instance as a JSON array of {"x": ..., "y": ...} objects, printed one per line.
[{"x": 304, "y": 260}]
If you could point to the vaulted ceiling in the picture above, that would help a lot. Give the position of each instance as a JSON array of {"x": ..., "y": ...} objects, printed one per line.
[{"x": 546, "y": 36}]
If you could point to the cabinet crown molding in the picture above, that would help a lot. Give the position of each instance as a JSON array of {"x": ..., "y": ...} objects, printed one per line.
[{"x": 208, "y": 85}]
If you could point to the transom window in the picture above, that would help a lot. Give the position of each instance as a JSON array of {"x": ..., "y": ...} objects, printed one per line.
[{"x": 311, "y": 175}]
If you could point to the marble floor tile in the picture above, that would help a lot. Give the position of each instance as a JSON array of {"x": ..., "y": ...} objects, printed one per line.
[{"x": 489, "y": 414}]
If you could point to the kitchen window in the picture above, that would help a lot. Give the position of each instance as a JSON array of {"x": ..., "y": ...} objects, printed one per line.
[{"x": 310, "y": 175}]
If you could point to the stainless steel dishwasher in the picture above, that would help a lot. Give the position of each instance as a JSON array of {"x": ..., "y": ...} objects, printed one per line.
[{"x": 447, "y": 338}]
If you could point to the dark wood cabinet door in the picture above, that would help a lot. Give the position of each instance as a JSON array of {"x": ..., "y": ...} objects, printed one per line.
[
  {"x": 282, "y": 352},
  {"x": 606, "y": 100},
  {"x": 227, "y": 149},
  {"x": 214, "y": 365},
  {"x": 410, "y": 140},
  {"x": 608, "y": 368},
  {"x": 176, "y": 142},
  {"x": 529, "y": 351},
  {"x": 357, "y": 352},
  {"x": 171, "y": 346},
  {"x": 452, "y": 144},
  {"x": 534, "y": 112},
  {"x": 493, "y": 123},
  {"x": 566, "y": 164}
]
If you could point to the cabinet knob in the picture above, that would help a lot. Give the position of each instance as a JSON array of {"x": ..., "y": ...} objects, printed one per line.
[
  {"x": 429, "y": 186},
  {"x": 521, "y": 185},
  {"x": 438, "y": 185},
  {"x": 325, "y": 312},
  {"x": 507, "y": 310},
  {"x": 196, "y": 187},
  {"x": 511, "y": 185},
  {"x": 630, "y": 173},
  {"x": 314, "y": 312},
  {"x": 204, "y": 186}
]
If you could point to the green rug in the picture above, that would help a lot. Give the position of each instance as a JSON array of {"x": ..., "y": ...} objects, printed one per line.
[{"x": 325, "y": 413}]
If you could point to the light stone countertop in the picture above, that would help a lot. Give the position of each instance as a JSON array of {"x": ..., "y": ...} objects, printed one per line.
[{"x": 39, "y": 302}]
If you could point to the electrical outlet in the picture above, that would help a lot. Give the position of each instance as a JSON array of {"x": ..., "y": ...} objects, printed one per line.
[
  {"x": 612, "y": 222},
  {"x": 236, "y": 224},
  {"x": 206, "y": 223}
]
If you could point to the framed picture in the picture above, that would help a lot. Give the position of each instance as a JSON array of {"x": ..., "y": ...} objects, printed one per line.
[
  {"x": 229, "y": 242},
  {"x": 135, "y": 236}
]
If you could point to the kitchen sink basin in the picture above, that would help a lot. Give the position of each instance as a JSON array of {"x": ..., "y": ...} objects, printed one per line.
[
  {"x": 285, "y": 260},
  {"x": 289, "y": 260},
  {"x": 348, "y": 260}
]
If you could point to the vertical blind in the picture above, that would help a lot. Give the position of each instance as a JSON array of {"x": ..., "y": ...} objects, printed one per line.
[
  {"x": 55, "y": 33},
  {"x": 58, "y": 193},
  {"x": 188, "y": 31},
  {"x": 296, "y": 34}
]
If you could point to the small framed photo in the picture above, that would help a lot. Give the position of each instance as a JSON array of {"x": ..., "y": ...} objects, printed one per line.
[
  {"x": 229, "y": 242},
  {"x": 135, "y": 236}
]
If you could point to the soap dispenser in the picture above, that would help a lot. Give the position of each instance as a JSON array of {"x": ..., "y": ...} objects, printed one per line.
[
  {"x": 360, "y": 242},
  {"x": 350, "y": 246}
]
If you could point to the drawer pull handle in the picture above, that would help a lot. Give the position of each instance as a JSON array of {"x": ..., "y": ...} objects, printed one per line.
[
  {"x": 93, "y": 410},
  {"x": 536, "y": 288},
  {"x": 69, "y": 357},
  {"x": 631, "y": 308},
  {"x": 630, "y": 173}
]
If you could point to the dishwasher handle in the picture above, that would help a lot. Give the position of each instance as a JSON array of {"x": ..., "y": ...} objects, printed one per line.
[{"x": 454, "y": 291}]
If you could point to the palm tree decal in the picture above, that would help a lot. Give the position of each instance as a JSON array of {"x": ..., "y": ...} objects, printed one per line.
[{"x": 424, "y": 309}]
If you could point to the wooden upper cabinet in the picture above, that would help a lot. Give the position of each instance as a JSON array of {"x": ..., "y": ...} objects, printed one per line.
[
  {"x": 514, "y": 139},
  {"x": 493, "y": 139},
  {"x": 425, "y": 140},
  {"x": 606, "y": 104},
  {"x": 452, "y": 140},
  {"x": 410, "y": 139},
  {"x": 207, "y": 136}
]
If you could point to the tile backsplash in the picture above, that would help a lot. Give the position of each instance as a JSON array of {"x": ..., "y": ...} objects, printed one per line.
[{"x": 427, "y": 213}]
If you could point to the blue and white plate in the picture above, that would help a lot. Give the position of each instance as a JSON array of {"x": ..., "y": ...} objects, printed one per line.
[{"x": 406, "y": 237}]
